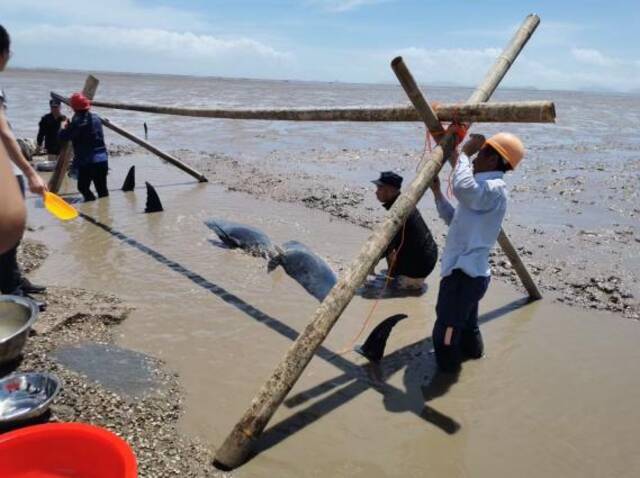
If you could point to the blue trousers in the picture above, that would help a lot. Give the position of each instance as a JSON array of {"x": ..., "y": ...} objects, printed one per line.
[{"x": 457, "y": 308}]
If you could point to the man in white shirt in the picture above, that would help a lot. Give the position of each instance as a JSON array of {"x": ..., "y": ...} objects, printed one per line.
[{"x": 474, "y": 226}]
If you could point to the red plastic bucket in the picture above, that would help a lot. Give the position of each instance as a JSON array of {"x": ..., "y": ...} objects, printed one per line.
[{"x": 65, "y": 450}]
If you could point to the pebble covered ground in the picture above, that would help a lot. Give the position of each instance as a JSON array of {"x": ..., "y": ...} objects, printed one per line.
[{"x": 149, "y": 423}]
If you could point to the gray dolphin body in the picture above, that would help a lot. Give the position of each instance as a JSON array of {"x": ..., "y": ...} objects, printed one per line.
[
  {"x": 305, "y": 267},
  {"x": 247, "y": 238}
]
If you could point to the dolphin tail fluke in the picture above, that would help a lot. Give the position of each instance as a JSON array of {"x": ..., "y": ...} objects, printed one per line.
[
  {"x": 373, "y": 347},
  {"x": 153, "y": 200},
  {"x": 130, "y": 181}
]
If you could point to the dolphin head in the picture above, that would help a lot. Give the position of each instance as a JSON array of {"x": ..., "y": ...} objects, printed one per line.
[{"x": 275, "y": 259}]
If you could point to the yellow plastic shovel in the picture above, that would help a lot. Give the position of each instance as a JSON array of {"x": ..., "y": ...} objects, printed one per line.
[{"x": 59, "y": 207}]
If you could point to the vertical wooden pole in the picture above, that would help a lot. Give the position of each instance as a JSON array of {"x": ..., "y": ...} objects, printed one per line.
[
  {"x": 237, "y": 446},
  {"x": 55, "y": 182}
]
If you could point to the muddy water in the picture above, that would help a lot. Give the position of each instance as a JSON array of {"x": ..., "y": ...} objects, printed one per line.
[{"x": 556, "y": 395}]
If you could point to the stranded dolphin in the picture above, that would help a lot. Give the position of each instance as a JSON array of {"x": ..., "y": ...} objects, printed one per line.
[
  {"x": 305, "y": 267},
  {"x": 244, "y": 237}
]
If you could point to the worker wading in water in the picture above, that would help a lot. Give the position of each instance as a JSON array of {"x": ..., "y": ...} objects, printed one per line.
[
  {"x": 474, "y": 226},
  {"x": 90, "y": 157}
]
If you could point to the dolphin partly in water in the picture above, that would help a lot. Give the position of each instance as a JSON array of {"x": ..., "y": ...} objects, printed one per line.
[{"x": 241, "y": 236}]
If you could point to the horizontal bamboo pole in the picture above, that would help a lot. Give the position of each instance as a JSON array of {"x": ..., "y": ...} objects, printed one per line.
[
  {"x": 145, "y": 144},
  {"x": 499, "y": 112},
  {"x": 236, "y": 448},
  {"x": 66, "y": 151}
]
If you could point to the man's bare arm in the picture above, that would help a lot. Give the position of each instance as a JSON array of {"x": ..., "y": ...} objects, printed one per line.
[
  {"x": 36, "y": 183},
  {"x": 12, "y": 209}
]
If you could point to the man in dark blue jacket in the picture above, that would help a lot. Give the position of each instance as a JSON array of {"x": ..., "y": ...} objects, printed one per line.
[
  {"x": 48, "y": 130},
  {"x": 90, "y": 153}
]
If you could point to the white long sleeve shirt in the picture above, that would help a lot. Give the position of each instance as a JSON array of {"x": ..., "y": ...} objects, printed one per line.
[{"x": 475, "y": 223}]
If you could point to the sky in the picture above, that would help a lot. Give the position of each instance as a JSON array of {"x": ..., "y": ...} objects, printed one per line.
[{"x": 579, "y": 45}]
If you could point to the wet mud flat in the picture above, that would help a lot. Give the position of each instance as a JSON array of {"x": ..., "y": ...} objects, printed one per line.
[
  {"x": 555, "y": 395},
  {"x": 575, "y": 222},
  {"x": 75, "y": 333}
]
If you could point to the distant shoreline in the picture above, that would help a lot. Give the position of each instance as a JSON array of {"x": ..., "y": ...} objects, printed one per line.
[{"x": 271, "y": 80}]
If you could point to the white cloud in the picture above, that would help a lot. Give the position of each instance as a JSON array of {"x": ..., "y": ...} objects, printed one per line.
[
  {"x": 601, "y": 70},
  {"x": 462, "y": 66},
  {"x": 148, "y": 50},
  {"x": 344, "y": 5},
  {"x": 127, "y": 35},
  {"x": 148, "y": 40},
  {"x": 593, "y": 57},
  {"x": 589, "y": 73},
  {"x": 467, "y": 67},
  {"x": 548, "y": 33}
]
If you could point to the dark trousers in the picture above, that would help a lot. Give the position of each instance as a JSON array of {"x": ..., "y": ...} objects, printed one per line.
[
  {"x": 457, "y": 308},
  {"x": 96, "y": 173},
  {"x": 10, "y": 274}
]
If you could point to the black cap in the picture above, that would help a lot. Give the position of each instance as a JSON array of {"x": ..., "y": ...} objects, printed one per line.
[
  {"x": 389, "y": 178},
  {"x": 54, "y": 102}
]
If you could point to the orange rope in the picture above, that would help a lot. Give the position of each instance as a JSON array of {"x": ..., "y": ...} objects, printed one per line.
[
  {"x": 461, "y": 131},
  {"x": 388, "y": 279}
]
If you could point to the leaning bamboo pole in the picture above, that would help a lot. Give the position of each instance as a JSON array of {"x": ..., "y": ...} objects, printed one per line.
[
  {"x": 237, "y": 446},
  {"x": 435, "y": 128},
  {"x": 498, "y": 112},
  {"x": 64, "y": 157},
  {"x": 148, "y": 146},
  {"x": 482, "y": 93},
  {"x": 145, "y": 144}
]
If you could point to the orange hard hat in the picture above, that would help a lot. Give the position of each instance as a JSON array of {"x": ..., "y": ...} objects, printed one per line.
[{"x": 508, "y": 146}]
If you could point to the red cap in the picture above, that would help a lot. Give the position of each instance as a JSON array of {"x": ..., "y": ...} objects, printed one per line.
[{"x": 79, "y": 102}]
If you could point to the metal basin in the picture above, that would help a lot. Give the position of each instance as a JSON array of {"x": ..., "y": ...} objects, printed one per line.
[
  {"x": 26, "y": 395},
  {"x": 17, "y": 314}
]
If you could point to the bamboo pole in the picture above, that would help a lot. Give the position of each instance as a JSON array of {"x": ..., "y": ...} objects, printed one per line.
[
  {"x": 423, "y": 109},
  {"x": 237, "y": 446},
  {"x": 502, "y": 64},
  {"x": 501, "y": 112},
  {"x": 148, "y": 146},
  {"x": 482, "y": 93},
  {"x": 64, "y": 157},
  {"x": 436, "y": 130},
  {"x": 145, "y": 144}
]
